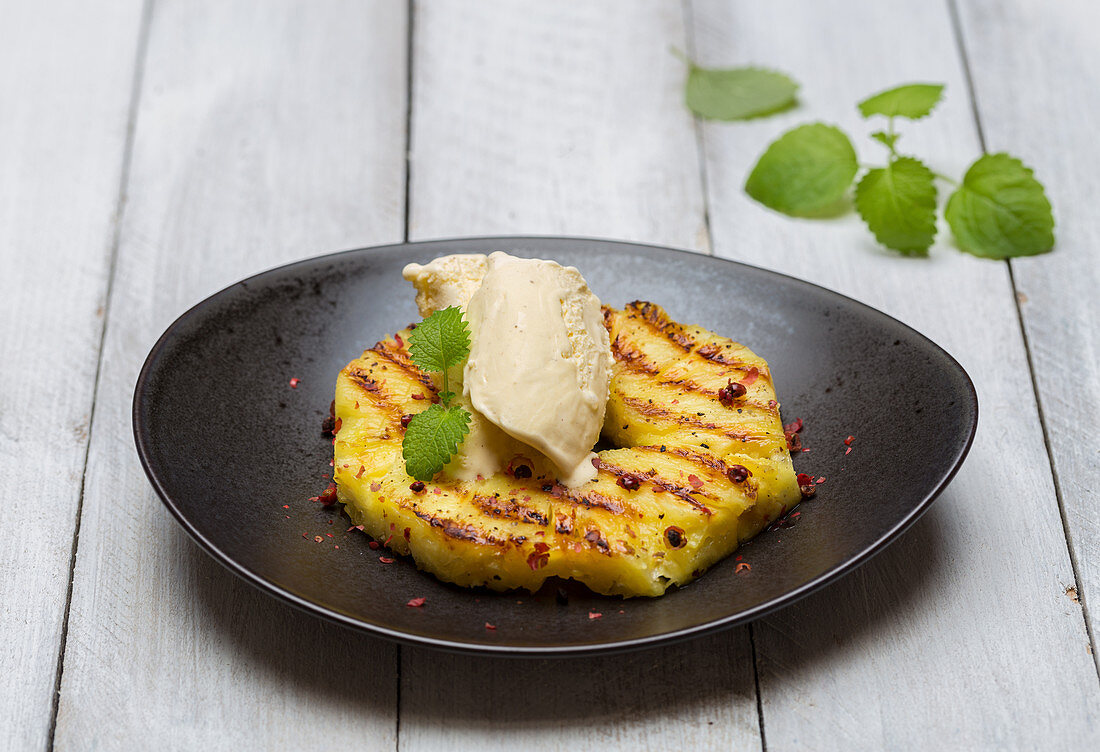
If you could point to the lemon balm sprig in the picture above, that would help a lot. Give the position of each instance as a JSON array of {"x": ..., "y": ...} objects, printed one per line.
[
  {"x": 998, "y": 210},
  {"x": 440, "y": 342}
]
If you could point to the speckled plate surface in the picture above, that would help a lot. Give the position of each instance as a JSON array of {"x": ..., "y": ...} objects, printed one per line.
[{"x": 227, "y": 443}]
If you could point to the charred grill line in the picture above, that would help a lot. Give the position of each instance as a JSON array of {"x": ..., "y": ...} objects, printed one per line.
[
  {"x": 631, "y": 357},
  {"x": 509, "y": 509},
  {"x": 681, "y": 492},
  {"x": 401, "y": 361},
  {"x": 659, "y": 322},
  {"x": 597, "y": 500},
  {"x": 457, "y": 531},
  {"x": 660, "y": 413}
]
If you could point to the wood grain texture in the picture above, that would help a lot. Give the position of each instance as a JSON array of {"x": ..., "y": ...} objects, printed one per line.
[
  {"x": 563, "y": 118},
  {"x": 960, "y": 636},
  {"x": 543, "y": 117},
  {"x": 59, "y": 191},
  {"x": 1036, "y": 73},
  {"x": 266, "y": 132}
]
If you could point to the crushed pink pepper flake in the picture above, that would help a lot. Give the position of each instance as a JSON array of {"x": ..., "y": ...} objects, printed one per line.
[
  {"x": 418, "y": 396},
  {"x": 407, "y": 533},
  {"x": 848, "y": 441},
  {"x": 820, "y": 480},
  {"x": 742, "y": 567},
  {"x": 694, "y": 481},
  {"x": 330, "y": 535},
  {"x": 416, "y": 602},
  {"x": 286, "y": 506},
  {"x": 750, "y": 376},
  {"x": 400, "y": 342},
  {"x": 436, "y": 491},
  {"x": 305, "y": 536},
  {"x": 621, "y": 611},
  {"x": 336, "y": 546},
  {"x": 490, "y": 626},
  {"x": 375, "y": 545},
  {"x": 387, "y": 541},
  {"x": 386, "y": 560},
  {"x": 594, "y": 615},
  {"x": 848, "y": 450},
  {"x": 375, "y": 487},
  {"x": 360, "y": 473},
  {"x": 294, "y": 383},
  {"x": 317, "y": 539},
  {"x": 287, "y": 516},
  {"x": 596, "y": 462}
]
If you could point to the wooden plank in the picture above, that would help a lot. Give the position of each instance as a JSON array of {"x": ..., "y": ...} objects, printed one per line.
[
  {"x": 1015, "y": 51},
  {"x": 541, "y": 118},
  {"x": 960, "y": 636},
  {"x": 59, "y": 191},
  {"x": 563, "y": 118},
  {"x": 266, "y": 132}
]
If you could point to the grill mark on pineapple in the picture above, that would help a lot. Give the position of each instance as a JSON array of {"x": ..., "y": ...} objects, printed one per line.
[
  {"x": 680, "y": 492},
  {"x": 400, "y": 360},
  {"x": 664, "y": 417},
  {"x": 713, "y": 352},
  {"x": 632, "y": 357},
  {"x": 656, "y": 318},
  {"x": 687, "y": 386},
  {"x": 509, "y": 509},
  {"x": 595, "y": 499},
  {"x": 458, "y": 531}
]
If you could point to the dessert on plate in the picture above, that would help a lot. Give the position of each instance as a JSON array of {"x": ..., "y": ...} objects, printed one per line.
[{"x": 696, "y": 460}]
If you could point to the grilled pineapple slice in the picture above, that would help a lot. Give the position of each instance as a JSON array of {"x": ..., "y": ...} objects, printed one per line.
[{"x": 662, "y": 508}]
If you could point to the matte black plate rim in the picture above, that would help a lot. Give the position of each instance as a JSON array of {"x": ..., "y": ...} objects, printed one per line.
[{"x": 226, "y": 559}]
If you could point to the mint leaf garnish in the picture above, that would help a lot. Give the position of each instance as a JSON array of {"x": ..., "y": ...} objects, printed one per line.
[
  {"x": 912, "y": 101},
  {"x": 738, "y": 93},
  {"x": 432, "y": 438},
  {"x": 806, "y": 171},
  {"x": 1000, "y": 210},
  {"x": 438, "y": 343},
  {"x": 898, "y": 203}
]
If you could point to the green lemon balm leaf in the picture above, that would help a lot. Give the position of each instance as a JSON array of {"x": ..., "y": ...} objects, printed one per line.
[
  {"x": 805, "y": 171},
  {"x": 738, "y": 93},
  {"x": 886, "y": 139},
  {"x": 898, "y": 203},
  {"x": 432, "y": 438},
  {"x": 1000, "y": 210},
  {"x": 912, "y": 101},
  {"x": 440, "y": 341}
]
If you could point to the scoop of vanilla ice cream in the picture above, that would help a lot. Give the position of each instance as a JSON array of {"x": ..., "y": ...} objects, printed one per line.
[
  {"x": 540, "y": 359},
  {"x": 446, "y": 281}
]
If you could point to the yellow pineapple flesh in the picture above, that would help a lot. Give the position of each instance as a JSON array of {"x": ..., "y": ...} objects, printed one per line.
[{"x": 662, "y": 508}]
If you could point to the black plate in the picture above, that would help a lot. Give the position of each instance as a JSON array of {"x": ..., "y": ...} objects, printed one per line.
[{"x": 227, "y": 443}]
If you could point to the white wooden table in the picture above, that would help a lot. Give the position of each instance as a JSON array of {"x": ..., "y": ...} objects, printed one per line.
[{"x": 153, "y": 152}]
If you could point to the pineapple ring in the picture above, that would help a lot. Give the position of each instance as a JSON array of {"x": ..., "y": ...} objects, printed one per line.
[{"x": 702, "y": 466}]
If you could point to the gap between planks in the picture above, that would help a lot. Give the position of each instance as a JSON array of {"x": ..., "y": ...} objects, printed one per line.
[
  {"x": 112, "y": 264},
  {"x": 410, "y": 32},
  {"x": 964, "y": 56}
]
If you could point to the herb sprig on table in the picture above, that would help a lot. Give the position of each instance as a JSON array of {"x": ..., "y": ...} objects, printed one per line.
[
  {"x": 999, "y": 210},
  {"x": 438, "y": 343}
]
